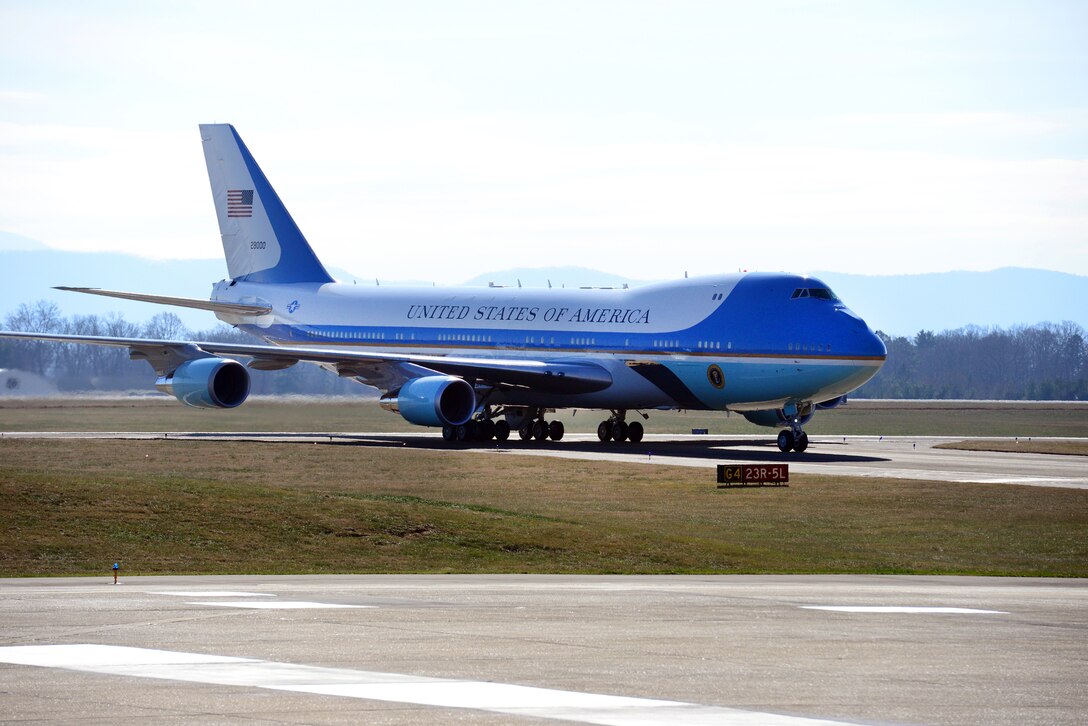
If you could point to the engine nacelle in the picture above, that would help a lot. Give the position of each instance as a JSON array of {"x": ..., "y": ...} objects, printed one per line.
[
  {"x": 775, "y": 418},
  {"x": 833, "y": 403},
  {"x": 434, "y": 401},
  {"x": 207, "y": 383}
]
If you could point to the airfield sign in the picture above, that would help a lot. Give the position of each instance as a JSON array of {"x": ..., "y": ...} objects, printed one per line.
[{"x": 752, "y": 475}]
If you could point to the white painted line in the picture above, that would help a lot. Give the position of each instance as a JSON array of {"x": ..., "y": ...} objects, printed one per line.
[
  {"x": 502, "y": 698},
  {"x": 214, "y": 593},
  {"x": 278, "y": 605},
  {"x": 901, "y": 609}
]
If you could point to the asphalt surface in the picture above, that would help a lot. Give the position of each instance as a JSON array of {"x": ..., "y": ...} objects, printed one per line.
[
  {"x": 901, "y": 457},
  {"x": 533, "y": 649}
]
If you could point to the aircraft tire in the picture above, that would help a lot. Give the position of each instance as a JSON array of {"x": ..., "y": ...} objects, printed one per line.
[
  {"x": 801, "y": 443},
  {"x": 619, "y": 432},
  {"x": 449, "y": 433},
  {"x": 604, "y": 431},
  {"x": 525, "y": 431},
  {"x": 635, "y": 432},
  {"x": 485, "y": 430},
  {"x": 502, "y": 430},
  {"x": 556, "y": 430},
  {"x": 785, "y": 440},
  {"x": 540, "y": 429}
]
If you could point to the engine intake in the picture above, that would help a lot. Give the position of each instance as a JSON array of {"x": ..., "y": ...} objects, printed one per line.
[
  {"x": 434, "y": 401},
  {"x": 207, "y": 383}
]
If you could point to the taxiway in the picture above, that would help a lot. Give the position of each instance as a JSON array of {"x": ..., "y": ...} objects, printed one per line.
[{"x": 532, "y": 649}]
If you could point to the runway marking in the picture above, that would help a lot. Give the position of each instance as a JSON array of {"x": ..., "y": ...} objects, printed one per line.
[
  {"x": 502, "y": 698},
  {"x": 901, "y": 609},
  {"x": 214, "y": 593},
  {"x": 278, "y": 605}
]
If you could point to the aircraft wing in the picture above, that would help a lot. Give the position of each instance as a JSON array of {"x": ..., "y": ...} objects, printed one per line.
[{"x": 387, "y": 371}]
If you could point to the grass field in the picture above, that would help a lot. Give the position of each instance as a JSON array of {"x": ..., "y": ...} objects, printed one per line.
[
  {"x": 859, "y": 417},
  {"x": 71, "y": 507}
]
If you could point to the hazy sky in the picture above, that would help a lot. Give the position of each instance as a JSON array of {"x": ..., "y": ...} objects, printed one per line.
[{"x": 438, "y": 140}]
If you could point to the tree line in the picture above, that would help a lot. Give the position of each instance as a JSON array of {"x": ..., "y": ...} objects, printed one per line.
[
  {"x": 1040, "y": 362},
  {"x": 1046, "y": 362}
]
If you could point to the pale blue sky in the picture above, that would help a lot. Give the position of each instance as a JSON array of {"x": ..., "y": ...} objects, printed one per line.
[{"x": 436, "y": 140}]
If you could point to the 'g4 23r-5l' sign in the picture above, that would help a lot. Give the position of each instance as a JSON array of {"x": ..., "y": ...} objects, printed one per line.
[{"x": 748, "y": 475}]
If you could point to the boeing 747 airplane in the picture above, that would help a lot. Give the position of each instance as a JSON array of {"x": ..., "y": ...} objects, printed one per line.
[{"x": 481, "y": 362}]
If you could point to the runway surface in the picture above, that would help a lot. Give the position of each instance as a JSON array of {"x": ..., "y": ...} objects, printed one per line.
[
  {"x": 535, "y": 649},
  {"x": 900, "y": 457}
]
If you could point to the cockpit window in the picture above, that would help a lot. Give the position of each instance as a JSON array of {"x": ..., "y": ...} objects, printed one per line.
[{"x": 821, "y": 293}]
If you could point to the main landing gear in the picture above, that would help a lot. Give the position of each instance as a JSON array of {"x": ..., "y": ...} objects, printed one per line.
[
  {"x": 539, "y": 429},
  {"x": 533, "y": 427},
  {"x": 617, "y": 429}
]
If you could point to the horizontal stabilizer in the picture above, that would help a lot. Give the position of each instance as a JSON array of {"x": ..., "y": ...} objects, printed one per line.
[{"x": 182, "y": 302}]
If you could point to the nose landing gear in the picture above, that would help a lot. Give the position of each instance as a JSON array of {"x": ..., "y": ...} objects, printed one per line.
[{"x": 793, "y": 438}]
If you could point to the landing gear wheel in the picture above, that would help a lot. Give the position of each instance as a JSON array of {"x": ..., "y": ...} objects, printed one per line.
[
  {"x": 526, "y": 431},
  {"x": 619, "y": 431},
  {"x": 556, "y": 430},
  {"x": 485, "y": 430},
  {"x": 635, "y": 432},
  {"x": 502, "y": 430},
  {"x": 540, "y": 429},
  {"x": 785, "y": 440},
  {"x": 801, "y": 443},
  {"x": 604, "y": 431},
  {"x": 449, "y": 433},
  {"x": 465, "y": 432}
]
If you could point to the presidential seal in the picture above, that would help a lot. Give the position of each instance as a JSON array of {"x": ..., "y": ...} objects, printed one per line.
[{"x": 715, "y": 376}]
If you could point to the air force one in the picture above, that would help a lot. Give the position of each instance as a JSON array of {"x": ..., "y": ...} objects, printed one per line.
[{"x": 481, "y": 362}]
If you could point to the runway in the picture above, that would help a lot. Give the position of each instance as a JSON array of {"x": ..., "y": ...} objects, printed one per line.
[
  {"x": 535, "y": 649},
  {"x": 897, "y": 457}
]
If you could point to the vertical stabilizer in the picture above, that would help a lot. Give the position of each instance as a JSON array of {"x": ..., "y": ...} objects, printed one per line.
[{"x": 260, "y": 240}]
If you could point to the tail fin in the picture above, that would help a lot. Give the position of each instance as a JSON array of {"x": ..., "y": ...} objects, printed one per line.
[{"x": 260, "y": 240}]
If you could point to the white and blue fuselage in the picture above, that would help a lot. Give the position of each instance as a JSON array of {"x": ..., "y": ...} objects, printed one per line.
[
  {"x": 743, "y": 342},
  {"x": 481, "y": 361}
]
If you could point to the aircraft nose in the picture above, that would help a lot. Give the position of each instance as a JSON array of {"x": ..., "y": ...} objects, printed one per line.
[
  {"x": 875, "y": 345},
  {"x": 868, "y": 344}
]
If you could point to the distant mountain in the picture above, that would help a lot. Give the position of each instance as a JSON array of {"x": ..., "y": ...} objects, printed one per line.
[
  {"x": 895, "y": 304},
  {"x": 9, "y": 241},
  {"x": 1005, "y": 298},
  {"x": 899, "y": 304},
  {"x": 30, "y": 274},
  {"x": 27, "y": 276}
]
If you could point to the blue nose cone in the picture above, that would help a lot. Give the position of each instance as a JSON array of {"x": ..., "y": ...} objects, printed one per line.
[
  {"x": 877, "y": 346},
  {"x": 864, "y": 343}
]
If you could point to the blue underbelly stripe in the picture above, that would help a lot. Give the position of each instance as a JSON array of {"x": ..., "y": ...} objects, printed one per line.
[{"x": 670, "y": 383}]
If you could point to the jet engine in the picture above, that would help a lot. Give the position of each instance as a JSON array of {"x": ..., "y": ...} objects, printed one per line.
[
  {"x": 433, "y": 401},
  {"x": 207, "y": 383}
]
